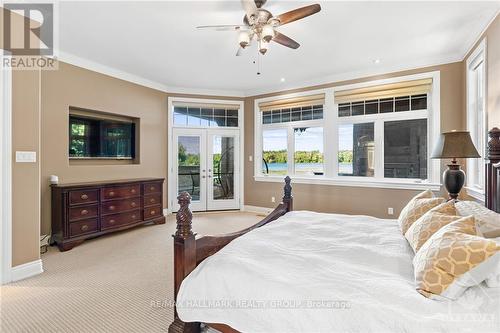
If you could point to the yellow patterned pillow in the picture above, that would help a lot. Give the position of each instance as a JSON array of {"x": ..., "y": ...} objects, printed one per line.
[
  {"x": 417, "y": 207},
  {"x": 453, "y": 259},
  {"x": 423, "y": 228}
]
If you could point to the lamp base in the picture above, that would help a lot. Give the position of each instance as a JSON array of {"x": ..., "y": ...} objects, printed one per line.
[{"x": 453, "y": 179}]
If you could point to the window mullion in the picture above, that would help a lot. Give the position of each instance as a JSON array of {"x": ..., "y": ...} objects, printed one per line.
[
  {"x": 379, "y": 149},
  {"x": 291, "y": 150}
]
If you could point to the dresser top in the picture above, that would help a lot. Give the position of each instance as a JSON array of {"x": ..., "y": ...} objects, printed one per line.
[{"x": 108, "y": 182}]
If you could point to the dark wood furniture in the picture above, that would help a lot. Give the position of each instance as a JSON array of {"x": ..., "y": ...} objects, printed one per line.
[
  {"x": 190, "y": 251},
  {"x": 86, "y": 210}
]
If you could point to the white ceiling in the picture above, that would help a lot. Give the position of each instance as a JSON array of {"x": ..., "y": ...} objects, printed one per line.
[{"x": 156, "y": 43}]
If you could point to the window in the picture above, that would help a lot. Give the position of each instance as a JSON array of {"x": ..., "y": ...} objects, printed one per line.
[
  {"x": 292, "y": 137},
  {"x": 405, "y": 149},
  {"x": 356, "y": 153},
  {"x": 366, "y": 134},
  {"x": 476, "y": 119},
  {"x": 101, "y": 138},
  {"x": 308, "y": 155},
  {"x": 274, "y": 153},
  {"x": 196, "y": 116}
]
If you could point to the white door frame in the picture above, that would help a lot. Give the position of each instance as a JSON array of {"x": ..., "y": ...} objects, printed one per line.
[
  {"x": 172, "y": 195},
  {"x": 6, "y": 176}
]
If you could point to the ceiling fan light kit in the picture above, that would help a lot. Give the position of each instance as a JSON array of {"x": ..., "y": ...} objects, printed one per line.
[{"x": 261, "y": 25}]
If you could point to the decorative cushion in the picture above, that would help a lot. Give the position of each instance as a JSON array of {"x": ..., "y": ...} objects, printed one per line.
[
  {"x": 423, "y": 228},
  {"x": 488, "y": 221},
  {"x": 418, "y": 206},
  {"x": 453, "y": 259}
]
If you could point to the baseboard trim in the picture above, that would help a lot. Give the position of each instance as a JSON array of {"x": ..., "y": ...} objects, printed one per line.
[
  {"x": 257, "y": 209},
  {"x": 26, "y": 270}
]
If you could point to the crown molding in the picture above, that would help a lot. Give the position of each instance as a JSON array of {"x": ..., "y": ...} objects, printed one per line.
[
  {"x": 468, "y": 50},
  {"x": 126, "y": 76}
]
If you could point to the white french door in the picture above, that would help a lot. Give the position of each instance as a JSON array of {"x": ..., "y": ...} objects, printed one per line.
[{"x": 207, "y": 166}]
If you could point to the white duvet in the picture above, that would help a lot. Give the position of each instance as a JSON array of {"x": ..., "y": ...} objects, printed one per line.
[{"x": 313, "y": 272}]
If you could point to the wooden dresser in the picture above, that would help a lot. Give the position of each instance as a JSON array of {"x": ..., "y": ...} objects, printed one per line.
[{"x": 86, "y": 210}]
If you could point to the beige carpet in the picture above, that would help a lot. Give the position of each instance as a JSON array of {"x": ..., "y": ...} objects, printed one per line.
[{"x": 115, "y": 283}]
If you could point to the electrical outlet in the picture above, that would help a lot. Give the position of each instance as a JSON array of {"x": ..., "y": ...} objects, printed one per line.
[
  {"x": 390, "y": 211},
  {"x": 273, "y": 199},
  {"x": 250, "y": 158}
]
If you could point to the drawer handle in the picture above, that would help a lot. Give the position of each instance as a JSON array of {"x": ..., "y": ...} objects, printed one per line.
[
  {"x": 133, "y": 216},
  {"x": 84, "y": 212},
  {"x": 152, "y": 200},
  {"x": 152, "y": 188},
  {"x": 133, "y": 204},
  {"x": 84, "y": 227},
  {"x": 111, "y": 193},
  {"x": 152, "y": 212},
  {"x": 84, "y": 197},
  {"x": 112, "y": 207},
  {"x": 112, "y": 221},
  {"x": 132, "y": 190}
]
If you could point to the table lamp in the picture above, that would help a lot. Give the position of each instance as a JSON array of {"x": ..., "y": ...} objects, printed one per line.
[{"x": 454, "y": 144}]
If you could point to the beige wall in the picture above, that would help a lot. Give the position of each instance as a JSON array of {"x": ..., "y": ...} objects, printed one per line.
[
  {"x": 25, "y": 176},
  {"x": 353, "y": 200}
]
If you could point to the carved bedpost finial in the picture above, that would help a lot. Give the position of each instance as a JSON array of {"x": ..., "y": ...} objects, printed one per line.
[
  {"x": 493, "y": 153},
  {"x": 287, "y": 197},
  {"x": 184, "y": 216}
]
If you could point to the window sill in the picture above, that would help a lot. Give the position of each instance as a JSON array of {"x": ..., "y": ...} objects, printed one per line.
[
  {"x": 475, "y": 193},
  {"x": 354, "y": 182}
]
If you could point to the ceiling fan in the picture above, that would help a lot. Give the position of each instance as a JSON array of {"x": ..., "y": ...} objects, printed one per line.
[{"x": 260, "y": 25}]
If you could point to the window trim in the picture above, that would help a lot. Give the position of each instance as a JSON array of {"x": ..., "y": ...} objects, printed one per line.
[
  {"x": 330, "y": 122},
  {"x": 477, "y": 56}
]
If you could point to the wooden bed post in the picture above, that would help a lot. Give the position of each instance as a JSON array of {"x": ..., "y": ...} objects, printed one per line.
[
  {"x": 287, "y": 195},
  {"x": 493, "y": 170},
  {"x": 184, "y": 257}
]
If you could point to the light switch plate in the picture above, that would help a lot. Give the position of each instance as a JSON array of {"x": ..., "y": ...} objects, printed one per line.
[{"x": 26, "y": 156}]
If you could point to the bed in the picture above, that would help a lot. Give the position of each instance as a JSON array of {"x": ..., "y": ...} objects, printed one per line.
[{"x": 302, "y": 271}]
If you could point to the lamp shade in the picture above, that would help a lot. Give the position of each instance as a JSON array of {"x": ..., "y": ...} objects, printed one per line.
[{"x": 455, "y": 144}]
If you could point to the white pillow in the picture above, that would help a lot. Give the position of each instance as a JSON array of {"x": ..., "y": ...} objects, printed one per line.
[
  {"x": 487, "y": 220},
  {"x": 493, "y": 279}
]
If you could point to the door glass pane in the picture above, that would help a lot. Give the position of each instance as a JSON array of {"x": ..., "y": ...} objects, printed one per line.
[
  {"x": 188, "y": 158},
  {"x": 223, "y": 168},
  {"x": 308, "y": 151},
  {"x": 405, "y": 149},
  {"x": 356, "y": 156},
  {"x": 274, "y": 152}
]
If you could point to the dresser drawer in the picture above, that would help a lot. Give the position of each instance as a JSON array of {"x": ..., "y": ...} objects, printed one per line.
[
  {"x": 83, "y": 197},
  {"x": 152, "y": 200},
  {"x": 152, "y": 212},
  {"x": 152, "y": 188},
  {"x": 121, "y": 192},
  {"x": 116, "y": 220},
  {"x": 82, "y": 212},
  {"x": 82, "y": 227},
  {"x": 117, "y": 206}
]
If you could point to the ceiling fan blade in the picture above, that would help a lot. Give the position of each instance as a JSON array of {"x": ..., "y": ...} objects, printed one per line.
[
  {"x": 298, "y": 14},
  {"x": 223, "y": 27},
  {"x": 285, "y": 40},
  {"x": 250, "y": 8}
]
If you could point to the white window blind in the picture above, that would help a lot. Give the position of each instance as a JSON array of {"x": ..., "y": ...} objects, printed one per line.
[{"x": 414, "y": 87}]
